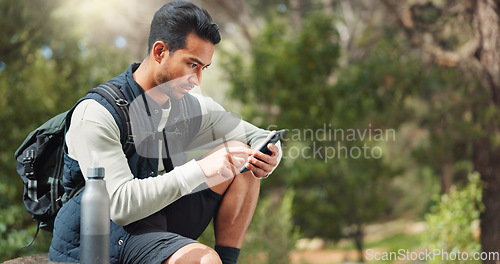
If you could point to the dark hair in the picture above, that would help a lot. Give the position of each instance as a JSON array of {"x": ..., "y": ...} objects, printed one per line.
[{"x": 175, "y": 20}]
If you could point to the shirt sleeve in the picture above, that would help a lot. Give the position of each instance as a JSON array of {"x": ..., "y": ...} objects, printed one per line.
[
  {"x": 219, "y": 126},
  {"x": 93, "y": 128}
]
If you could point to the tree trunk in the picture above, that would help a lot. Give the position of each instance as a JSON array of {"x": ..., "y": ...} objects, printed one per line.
[
  {"x": 446, "y": 177},
  {"x": 487, "y": 20},
  {"x": 358, "y": 239},
  {"x": 486, "y": 155},
  {"x": 487, "y": 163}
]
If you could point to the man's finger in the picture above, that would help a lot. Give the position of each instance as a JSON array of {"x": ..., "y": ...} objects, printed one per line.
[
  {"x": 261, "y": 164},
  {"x": 271, "y": 160},
  {"x": 241, "y": 161},
  {"x": 238, "y": 150},
  {"x": 274, "y": 149},
  {"x": 237, "y": 161},
  {"x": 258, "y": 172}
]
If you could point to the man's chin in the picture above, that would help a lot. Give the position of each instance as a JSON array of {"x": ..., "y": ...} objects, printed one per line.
[
  {"x": 178, "y": 92},
  {"x": 176, "y": 96}
]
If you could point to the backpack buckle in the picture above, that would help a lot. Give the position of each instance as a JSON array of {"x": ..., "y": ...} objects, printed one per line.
[
  {"x": 30, "y": 156},
  {"x": 28, "y": 160},
  {"x": 121, "y": 102}
]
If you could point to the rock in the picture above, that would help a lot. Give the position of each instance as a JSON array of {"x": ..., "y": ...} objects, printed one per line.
[{"x": 35, "y": 259}]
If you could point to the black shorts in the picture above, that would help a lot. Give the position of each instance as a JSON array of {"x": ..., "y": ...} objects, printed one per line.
[{"x": 155, "y": 238}]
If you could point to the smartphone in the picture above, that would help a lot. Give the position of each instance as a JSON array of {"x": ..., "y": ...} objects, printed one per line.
[{"x": 275, "y": 136}]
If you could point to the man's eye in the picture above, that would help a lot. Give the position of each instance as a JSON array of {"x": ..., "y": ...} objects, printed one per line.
[{"x": 193, "y": 65}]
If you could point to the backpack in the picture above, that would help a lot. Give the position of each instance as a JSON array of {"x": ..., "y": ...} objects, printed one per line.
[{"x": 40, "y": 159}]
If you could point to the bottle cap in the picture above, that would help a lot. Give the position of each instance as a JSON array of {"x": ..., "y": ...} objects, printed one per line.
[{"x": 95, "y": 173}]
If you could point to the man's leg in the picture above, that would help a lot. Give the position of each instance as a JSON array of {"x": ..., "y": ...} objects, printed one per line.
[
  {"x": 236, "y": 210},
  {"x": 151, "y": 241},
  {"x": 234, "y": 215},
  {"x": 195, "y": 253},
  {"x": 240, "y": 196}
]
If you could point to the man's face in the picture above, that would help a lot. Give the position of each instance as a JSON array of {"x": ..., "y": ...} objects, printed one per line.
[{"x": 181, "y": 71}]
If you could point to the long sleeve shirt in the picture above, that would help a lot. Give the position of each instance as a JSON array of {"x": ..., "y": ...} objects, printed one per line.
[{"x": 93, "y": 128}]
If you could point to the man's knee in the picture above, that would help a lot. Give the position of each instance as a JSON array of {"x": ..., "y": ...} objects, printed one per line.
[
  {"x": 227, "y": 144},
  {"x": 235, "y": 143},
  {"x": 211, "y": 258},
  {"x": 195, "y": 253},
  {"x": 231, "y": 144}
]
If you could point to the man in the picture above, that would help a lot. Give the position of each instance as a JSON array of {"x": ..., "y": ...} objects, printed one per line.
[{"x": 162, "y": 200}]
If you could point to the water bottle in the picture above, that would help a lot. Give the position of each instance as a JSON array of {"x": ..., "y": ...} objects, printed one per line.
[{"x": 95, "y": 219}]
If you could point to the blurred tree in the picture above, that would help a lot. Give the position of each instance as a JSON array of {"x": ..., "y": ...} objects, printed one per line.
[
  {"x": 23, "y": 22},
  {"x": 291, "y": 80},
  {"x": 44, "y": 69},
  {"x": 465, "y": 34},
  {"x": 251, "y": 16},
  {"x": 289, "y": 75}
]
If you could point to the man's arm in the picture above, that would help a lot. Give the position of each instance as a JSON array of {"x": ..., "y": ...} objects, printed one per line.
[
  {"x": 94, "y": 129},
  {"x": 219, "y": 126}
]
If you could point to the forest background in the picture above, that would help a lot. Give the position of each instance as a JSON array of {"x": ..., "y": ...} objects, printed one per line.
[{"x": 392, "y": 111}]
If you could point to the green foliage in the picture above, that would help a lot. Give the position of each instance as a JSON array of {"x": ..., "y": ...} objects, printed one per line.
[
  {"x": 46, "y": 69},
  {"x": 291, "y": 80},
  {"x": 288, "y": 69},
  {"x": 450, "y": 224},
  {"x": 289, "y": 73},
  {"x": 271, "y": 234},
  {"x": 24, "y": 26},
  {"x": 15, "y": 233},
  {"x": 286, "y": 72},
  {"x": 388, "y": 84},
  {"x": 398, "y": 241}
]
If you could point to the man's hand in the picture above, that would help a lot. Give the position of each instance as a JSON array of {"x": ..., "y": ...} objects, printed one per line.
[
  {"x": 261, "y": 168},
  {"x": 223, "y": 164}
]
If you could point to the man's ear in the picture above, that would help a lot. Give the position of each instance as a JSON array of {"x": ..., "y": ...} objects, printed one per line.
[{"x": 159, "y": 51}]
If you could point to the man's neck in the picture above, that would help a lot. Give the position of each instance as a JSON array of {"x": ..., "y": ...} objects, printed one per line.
[
  {"x": 144, "y": 76},
  {"x": 159, "y": 97}
]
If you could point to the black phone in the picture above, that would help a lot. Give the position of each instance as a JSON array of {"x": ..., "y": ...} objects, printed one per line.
[{"x": 275, "y": 136}]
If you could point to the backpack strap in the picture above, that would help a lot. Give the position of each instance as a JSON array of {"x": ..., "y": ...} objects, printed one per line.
[
  {"x": 114, "y": 96},
  {"x": 117, "y": 100}
]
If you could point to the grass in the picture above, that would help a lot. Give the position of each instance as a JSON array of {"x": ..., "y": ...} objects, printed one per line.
[
  {"x": 392, "y": 243},
  {"x": 398, "y": 241}
]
